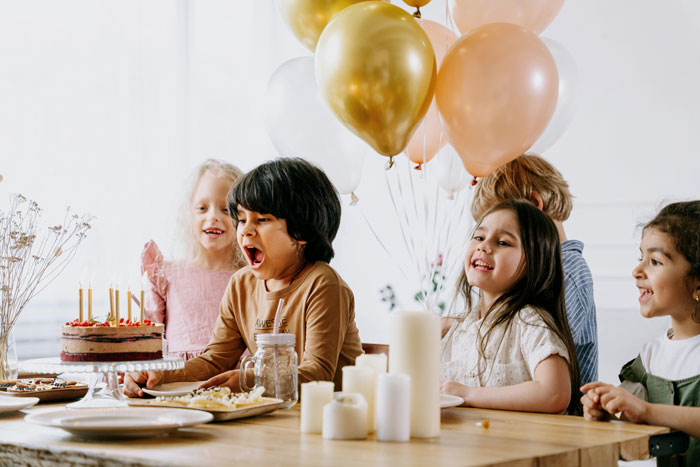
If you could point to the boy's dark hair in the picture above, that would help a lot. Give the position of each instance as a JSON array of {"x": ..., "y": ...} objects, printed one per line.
[
  {"x": 298, "y": 192},
  {"x": 681, "y": 221},
  {"x": 541, "y": 286}
]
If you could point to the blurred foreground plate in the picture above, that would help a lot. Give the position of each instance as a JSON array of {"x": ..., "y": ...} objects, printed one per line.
[
  {"x": 12, "y": 404},
  {"x": 123, "y": 422}
]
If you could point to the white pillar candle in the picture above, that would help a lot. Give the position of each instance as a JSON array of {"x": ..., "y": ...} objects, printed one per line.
[
  {"x": 393, "y": 407},
  {"x": 415, "y": 350},
  {"x": 345, "y": 417},
  {"x": 361, "y": 380},
  {"x": 314, "y": 396},
  {"x": 376, "y": 363}
]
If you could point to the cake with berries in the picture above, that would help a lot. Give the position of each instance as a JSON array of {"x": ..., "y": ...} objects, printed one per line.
[{"x": 105, "y": 342}]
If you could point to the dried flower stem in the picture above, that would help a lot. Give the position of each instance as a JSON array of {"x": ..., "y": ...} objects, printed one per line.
[{"x": 30, "y": 261}]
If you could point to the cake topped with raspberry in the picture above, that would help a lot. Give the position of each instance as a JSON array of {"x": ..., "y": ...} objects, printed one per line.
[{"x": 93, "y": 341}]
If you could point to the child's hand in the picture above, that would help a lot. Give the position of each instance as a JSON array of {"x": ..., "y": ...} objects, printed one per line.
[
  {"x": 456, "y": 389},
  {"x": 229, "y": 379},
  {"x": 134, "y": 381},
  {"x": 616, "y": 399},
  {"x": 592, "y": 409}
]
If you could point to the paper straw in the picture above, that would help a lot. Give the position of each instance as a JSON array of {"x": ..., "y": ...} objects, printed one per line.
[
  {"x": 278, "y": 315},
  {"x": 276, "y": 329}
]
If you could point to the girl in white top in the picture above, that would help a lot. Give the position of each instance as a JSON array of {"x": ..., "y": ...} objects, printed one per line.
[{"x": 512, "y": 349}]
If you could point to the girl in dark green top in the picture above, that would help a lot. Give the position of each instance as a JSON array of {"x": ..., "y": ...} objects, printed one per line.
[{"x": 668, "y": 369}]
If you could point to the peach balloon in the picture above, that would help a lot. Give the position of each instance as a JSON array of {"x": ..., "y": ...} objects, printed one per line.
[
  {"x": 496, "y": 91},
  {"x": 534, "y": 15},
  {"x": 429, "y": 137}
]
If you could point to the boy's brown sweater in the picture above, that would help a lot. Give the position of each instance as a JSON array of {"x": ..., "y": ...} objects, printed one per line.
[{"x": 318, "y": 309}]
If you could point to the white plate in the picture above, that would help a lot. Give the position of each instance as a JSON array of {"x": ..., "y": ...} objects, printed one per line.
[
  {"x": 269, "y": 404},
  {"x": 448, "y": 400},
  {"x": 12, "y": 404},
  {"x": 125, "y": 422},
  {"x": 173, "y": 389}
]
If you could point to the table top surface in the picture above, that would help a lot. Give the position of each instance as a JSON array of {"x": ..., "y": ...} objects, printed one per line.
[{"x": 513, "y": 438}]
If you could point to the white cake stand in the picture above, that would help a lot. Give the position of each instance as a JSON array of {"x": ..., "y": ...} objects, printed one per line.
[{"x": 110, "y": 396}]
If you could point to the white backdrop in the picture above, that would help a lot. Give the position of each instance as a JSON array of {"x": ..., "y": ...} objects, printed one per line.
[{"x": 106, "y": 106}]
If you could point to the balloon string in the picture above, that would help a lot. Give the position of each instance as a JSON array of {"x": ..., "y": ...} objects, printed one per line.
[
  {"x": 435, "y": 237},
  {"x": 427, "y": 240},
  {"x": 381, "y": 243},
  {"x": 411, "y": 228},
  {"x": 411, "y": 251}
]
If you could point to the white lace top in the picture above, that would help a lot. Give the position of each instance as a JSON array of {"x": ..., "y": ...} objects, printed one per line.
[{"x": 511, "y": 354}]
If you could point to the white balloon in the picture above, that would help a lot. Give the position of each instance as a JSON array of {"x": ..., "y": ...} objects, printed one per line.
[
  {"x": 300, "y": 124},
  {"x": 566, "y": 103},
  {"x": 451, "y": 174}
]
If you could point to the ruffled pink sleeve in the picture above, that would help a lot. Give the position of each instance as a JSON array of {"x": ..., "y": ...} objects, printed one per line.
[{"x": 157, "y": 287}]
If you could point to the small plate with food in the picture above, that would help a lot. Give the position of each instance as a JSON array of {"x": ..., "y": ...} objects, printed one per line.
[
  {"x": 45, "y": 389},
  {"x": 222, "y": 403}
]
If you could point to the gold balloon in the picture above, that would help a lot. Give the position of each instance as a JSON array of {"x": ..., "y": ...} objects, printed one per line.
[
  {"x": 376, "y": 69},
  {"x": 307, "y": 18},
  {"x": 416, "y": 3}
]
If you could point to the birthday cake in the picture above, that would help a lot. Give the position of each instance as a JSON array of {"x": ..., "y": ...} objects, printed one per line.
[{"x": 105, "y": 342}]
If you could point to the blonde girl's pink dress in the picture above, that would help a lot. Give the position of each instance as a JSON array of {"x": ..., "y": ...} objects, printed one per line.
[{"x": 185, "y": 298}]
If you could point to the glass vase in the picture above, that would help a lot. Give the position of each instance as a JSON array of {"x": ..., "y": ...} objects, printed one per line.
[{"x": 8, "y": 356}]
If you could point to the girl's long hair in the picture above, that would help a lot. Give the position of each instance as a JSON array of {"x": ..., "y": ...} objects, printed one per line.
[
  {"x": 540, "y": 287},
  {"x": 191, "y": 249}
]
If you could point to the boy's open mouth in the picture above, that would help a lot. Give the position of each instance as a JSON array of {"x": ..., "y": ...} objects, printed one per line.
[{"x": 255, "y": 256}]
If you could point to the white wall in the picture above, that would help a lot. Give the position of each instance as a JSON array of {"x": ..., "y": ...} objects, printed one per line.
[{"x": 106, "y": 107}]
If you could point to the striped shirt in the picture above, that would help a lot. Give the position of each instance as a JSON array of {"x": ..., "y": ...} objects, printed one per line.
[{"x": 580, "y": 308}]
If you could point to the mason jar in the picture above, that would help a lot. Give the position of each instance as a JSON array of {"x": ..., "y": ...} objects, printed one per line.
[{"x": 274, "y": 367}]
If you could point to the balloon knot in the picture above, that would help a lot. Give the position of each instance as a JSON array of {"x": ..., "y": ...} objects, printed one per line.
[
  {"x": 353, "y": 199},
  {"x": 474, "y": 181},
  {"x": 416, "y": 14},
  {"x": 390, "y": 163},
  {"x": 418, "y": 167}
]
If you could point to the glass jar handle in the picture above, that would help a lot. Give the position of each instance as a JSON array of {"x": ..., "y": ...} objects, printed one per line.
[{"x": 242, "y": 375}]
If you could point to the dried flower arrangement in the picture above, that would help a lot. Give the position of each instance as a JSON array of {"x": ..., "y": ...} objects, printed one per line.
[{"x": 29, "y": 261}]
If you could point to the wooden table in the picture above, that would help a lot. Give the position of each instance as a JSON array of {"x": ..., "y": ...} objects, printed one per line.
[{"x": 513, "y": 438}]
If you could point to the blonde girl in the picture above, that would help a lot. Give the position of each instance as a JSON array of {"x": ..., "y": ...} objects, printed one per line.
[{"x": 185, "y": 294}]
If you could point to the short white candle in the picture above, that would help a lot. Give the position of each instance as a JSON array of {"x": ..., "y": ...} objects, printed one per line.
[
  {"x": 393, "y": 407},
  {"x": 314, "y": 396},
  {"x": 376, "y": 363},
  {"x": 415, "y": 350},
  {"x": 361, "y": 380},
  {"x": 345, "y": 417}
]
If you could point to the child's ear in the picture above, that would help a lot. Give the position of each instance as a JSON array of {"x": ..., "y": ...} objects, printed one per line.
[{"x": 536, "y": 199}]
